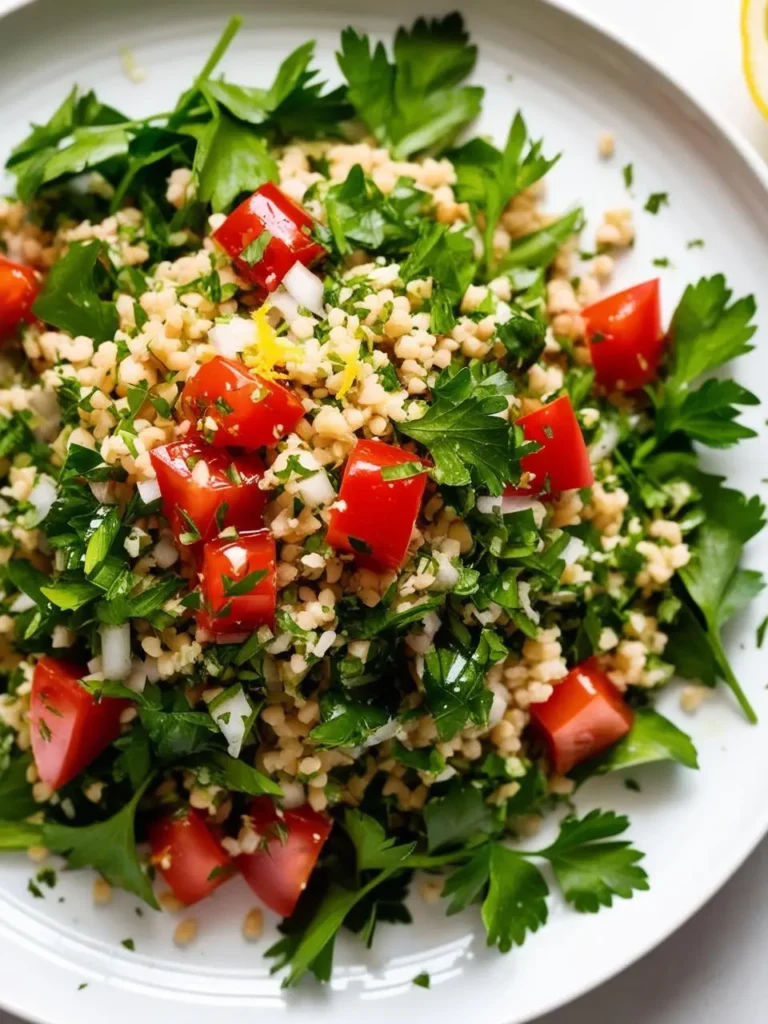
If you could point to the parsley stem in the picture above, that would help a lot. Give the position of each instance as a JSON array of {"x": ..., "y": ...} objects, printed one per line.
[
  {"x": 730, "y": 678},
  {"x": 19, "y": 835},
  {"x": 437, "y": 860},
  {"x": 229, "y": 33}
]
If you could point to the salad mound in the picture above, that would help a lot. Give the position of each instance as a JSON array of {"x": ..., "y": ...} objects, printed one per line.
[{"x": 351, "y": 520}]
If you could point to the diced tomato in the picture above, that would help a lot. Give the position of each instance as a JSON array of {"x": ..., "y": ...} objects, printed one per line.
[
  {"x": 290, "y": 229},
  {"x": 584, "y": 716},
  {"x": 188, "y": 855},
  {"x": 69, "y": 727},
  {"x": 292, "y": 840},
  {"x": 562, "y": 463},
  {"x": 625, "y": 336},
  {"x": 18, "y": 290},
  {"x": 230, "y": 605},
  {"x": 377, "y": 516},
  {"x": 213, "y": 487},
  {"x": 247, "y": 410}
]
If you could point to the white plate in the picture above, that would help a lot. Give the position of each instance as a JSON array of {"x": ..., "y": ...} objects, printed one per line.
[{"x": 572, "y": 81}]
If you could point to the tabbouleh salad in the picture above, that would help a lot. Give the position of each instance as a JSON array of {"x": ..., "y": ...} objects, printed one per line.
[{"x": 347, "y": 524}]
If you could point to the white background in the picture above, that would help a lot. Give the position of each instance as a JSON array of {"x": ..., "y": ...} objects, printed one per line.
[{"x": 713, "y": 971}]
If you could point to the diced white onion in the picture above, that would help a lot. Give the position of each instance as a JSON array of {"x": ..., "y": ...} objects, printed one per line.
[
  {"x": 498, "y": 705},
  {"x": 447, "y": 773},
  {"x": 42, "y": 496},
  {"x": 22, "y": 603},
  {"x": 431, "y": 623},
  {"x": 324, "y": 644},
  {"x": 233, "y": 713},
  {"x": 102, "y": 491},
  {"x": 153, "y": 673},
  {"x": 305, "y": 287},
  {"x": 606, "y": 441},
  {"x": 489, "y": 615},
  {"x": 575, "y": 549},
  {"x": 511, "y": 505},
  {"x": 232, "y": 337},
  {"x": 149, "y": 490},
  {"x": 284, "y": 303},
  {"x": 524, "y": 593},
  {"x": 280, "y": 644},
  {"x": 165, "y": 553},
  {"x": 293, "y": 795},
  {"x": 116, "y": 651},
  {"x": 388, "y": 731},
  {"x": 316, "y": 490},
  {"x": 447, "y": 574},
  {"x": 137, "y": 679},
  {"x": 94, "y": 666}
]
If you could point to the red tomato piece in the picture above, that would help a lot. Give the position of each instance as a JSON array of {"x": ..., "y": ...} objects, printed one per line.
[
  {"x": 19, "y": 286},
  {"x": 563, "y": 459},
  {"x": 279, "y": 870},
  {"x": 289, "y": 226},
  {"x": 69, "y": 727},
  {"x": 584, "y": 716},
  {"x": 625, "y": 336},
  {"x": 188, "y": 855},
  {"x": 226, "y": 610},
  {"x": 225, "y": 480},
  {"x": 247, "y": 410},
  {"x": 377, "y": 516}
]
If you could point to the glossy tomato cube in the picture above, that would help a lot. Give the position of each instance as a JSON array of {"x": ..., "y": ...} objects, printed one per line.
[
  {"x": 69, "y": 727},
  {"x": 585, "y": 715},
  {"x": 246, "y": 410},
  {"x": 375, "y": 516},
  {"x": 238, "y": 584},
  {"x": 188, "y": 855},
  {"x": 205, "y": 489},
  {"x": 290, "y": 237},
  {"x": 626, "y": 340},
  {"x": 279, "y": 870},
  {"x": 562, "y": 462},
  {"x": 19, "y": 287}
]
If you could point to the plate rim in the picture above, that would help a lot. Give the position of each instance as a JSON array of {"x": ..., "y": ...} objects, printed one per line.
[{"x": 743, "y": 149}]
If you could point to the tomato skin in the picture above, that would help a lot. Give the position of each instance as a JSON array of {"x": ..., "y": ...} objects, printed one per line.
[
  {"x": 289, "y": 225},
  {"x": 251, "y": 551},
  {"x": 629, "y": 324},
  {"x": 202, "y": 500},
  {"x": 563, "y": 458},
  {"x": 585, "y": 715},
  {"x": 380, "y": 513},
  {"x": 279, "y": 874},
  {"x": 262, "y": 411},
  {"x": 69, "y": 727},
  {"x": 19, "y": 287},
  {"x": 186, "y": 852}
]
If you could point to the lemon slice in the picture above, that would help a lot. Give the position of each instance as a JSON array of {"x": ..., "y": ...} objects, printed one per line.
[{"x": 754, "y": 46}]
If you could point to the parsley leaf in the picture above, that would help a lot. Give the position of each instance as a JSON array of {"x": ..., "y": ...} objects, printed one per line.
[
  {"x": 230, "y": 158},
  {"x": 707, "y": 331},
  {"x": 456, "y": 817},
  {"x": 468, "y": 442},
  {"x": 488, "y": 178},
  {"x": 590, "y": 872},
  {"x": 538, "y": 249},
  {"x": 108, "y": 847},
  {"x": 417, "y": 102},
  {"x": 655, "y": 202},
  {"x": 346, "y": 723},
  {"x": 651, "y": 738},
  {"x": 70, "y": 300},
  {"x": 373, "y": 848},
  {"x": 454, "y": 682},
  {"x": 712, "y": 578},
  {"x": 516, "y": 900}
]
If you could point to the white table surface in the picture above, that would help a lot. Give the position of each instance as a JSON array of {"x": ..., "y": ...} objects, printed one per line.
[{"x": 712, "y": 971}]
